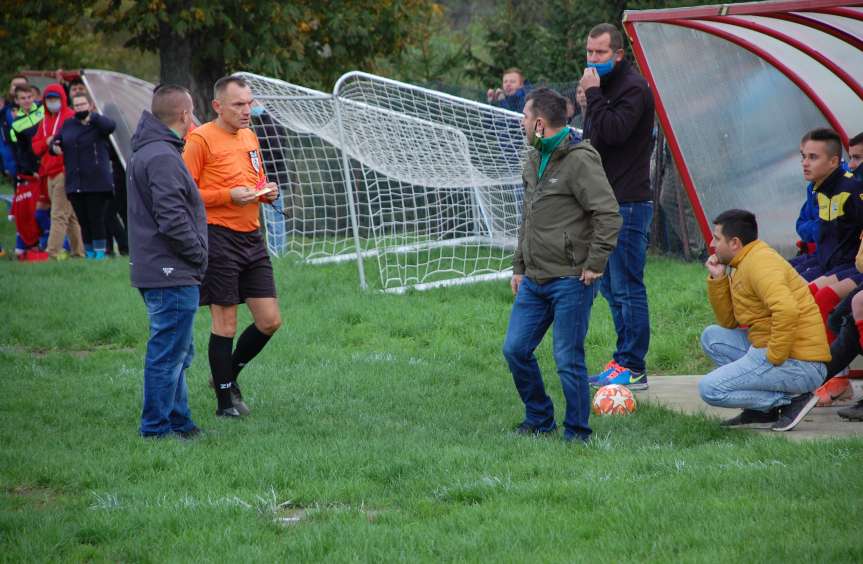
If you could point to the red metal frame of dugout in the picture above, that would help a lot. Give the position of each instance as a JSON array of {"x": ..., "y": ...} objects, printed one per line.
[{"x": 683, "y": 16}]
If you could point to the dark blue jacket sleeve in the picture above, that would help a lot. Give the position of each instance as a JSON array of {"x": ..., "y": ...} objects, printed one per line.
[{"x": 103, "y": 123}]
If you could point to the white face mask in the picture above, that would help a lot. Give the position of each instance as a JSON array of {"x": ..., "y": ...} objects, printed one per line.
[{"x": 53, "y": 107}]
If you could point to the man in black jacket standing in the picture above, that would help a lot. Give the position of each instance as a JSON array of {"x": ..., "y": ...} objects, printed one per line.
[
  {"x": 619, "y": 124},
  {"x": 167, "y": 256}
]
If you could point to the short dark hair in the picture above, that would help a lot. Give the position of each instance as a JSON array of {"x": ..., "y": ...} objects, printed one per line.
[
  {"x": 827, "y": 136},
  {"x": 223, "y": 83},
  {"x": 167, "y": 102},
  {"x": 738, "y": 223},
  {"x": 856, "y": 140},
  {"x": 23, "y": 88},
  {"x": 614, "y": 33},
  {"x": 548, "y": 105}
]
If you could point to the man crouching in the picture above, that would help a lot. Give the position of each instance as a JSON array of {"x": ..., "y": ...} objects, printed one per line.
[{"x": 769, "y": 344}]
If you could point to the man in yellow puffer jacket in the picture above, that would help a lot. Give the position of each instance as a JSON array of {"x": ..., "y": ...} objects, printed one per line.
[{"x": 769, "y": 344}]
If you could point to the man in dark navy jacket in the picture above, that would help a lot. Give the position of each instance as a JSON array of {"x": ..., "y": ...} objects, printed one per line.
[
  {"x": 168, "y": 257},
  {"x": 619, "y": 123}
]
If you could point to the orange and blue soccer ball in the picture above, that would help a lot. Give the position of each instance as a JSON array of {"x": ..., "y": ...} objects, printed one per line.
[{"x": 613, "y": 399}]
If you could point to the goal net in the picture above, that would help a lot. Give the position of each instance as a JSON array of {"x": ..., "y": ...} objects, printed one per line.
[{"x": 422, "y": 187}]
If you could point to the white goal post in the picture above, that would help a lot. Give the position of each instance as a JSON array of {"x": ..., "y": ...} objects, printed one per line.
[{"x": 423, "y": 185}]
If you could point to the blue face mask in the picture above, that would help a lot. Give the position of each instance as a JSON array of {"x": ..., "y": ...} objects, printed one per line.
[
  {"x": 257, "y": 111},
  {"x": 603, "y": 69}
]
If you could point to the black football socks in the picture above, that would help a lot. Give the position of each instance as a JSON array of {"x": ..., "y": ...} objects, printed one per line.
[
  {"x": 250, "y": 343},
  {"x": 220, "y": 366}
]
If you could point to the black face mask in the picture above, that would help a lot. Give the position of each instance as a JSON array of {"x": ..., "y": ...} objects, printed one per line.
[{"x": 81, "y": 116}]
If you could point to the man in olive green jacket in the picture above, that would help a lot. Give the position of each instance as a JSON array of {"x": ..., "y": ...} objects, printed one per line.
[{"x": 569, "y": 227}]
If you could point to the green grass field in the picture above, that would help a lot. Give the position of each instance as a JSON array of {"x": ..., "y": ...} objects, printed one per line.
[{"x": 379, "y": 433}]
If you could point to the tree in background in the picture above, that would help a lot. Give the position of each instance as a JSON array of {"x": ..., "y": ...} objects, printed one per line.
[
  {"x": 308, "y": 42},
  {"x": 546, "y": 39},
  {"x": 39, "y": 35}
]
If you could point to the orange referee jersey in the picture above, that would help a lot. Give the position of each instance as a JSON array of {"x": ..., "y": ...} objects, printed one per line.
[{"x": 219, "y": 161}]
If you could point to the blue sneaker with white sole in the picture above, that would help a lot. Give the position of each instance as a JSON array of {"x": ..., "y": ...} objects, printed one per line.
[
  {"x": 628, "y": 378},
  {"x": 598, "y": 380}
]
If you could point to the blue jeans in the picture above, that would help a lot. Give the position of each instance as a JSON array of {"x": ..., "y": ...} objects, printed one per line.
[
  {"x": 622, "y": 286},
  {"x": 746, "y": 379},
  {"x": 566, "y": 302},
  {"x": 169, "y": 353}
]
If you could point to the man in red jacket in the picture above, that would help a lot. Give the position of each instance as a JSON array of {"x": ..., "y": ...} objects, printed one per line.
[{"x": 63, "y": 219}]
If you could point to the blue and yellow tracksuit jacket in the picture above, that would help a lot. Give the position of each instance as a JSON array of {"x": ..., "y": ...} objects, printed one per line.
[{"x": 840, "y": 208}]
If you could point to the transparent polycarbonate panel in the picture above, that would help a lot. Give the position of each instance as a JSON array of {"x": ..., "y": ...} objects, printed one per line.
[
  {"x": 122, "y": 98},
  {"x": 845, "y": 104},
  {"x": 848, "y": 25},
  {"x": 846, "y": 56},
  {"x": 738, "y": 121}
]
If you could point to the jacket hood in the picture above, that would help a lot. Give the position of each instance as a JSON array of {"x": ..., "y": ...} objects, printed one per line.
[
  {"x": 55, "y": 88},
  {"x": 151, "y": 130}
]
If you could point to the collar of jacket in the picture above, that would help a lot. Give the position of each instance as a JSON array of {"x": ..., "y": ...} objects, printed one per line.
[
  {"x": 756, "y": 244},
  {"x": 618, "y": 70},
  {"x": 829, "y": 179}
]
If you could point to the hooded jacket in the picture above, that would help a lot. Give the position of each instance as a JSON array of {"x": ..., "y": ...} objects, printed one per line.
[
  {"x": 85, "y": 154},
  {"x": 570, "y": 220},
  {"x": 51, "y": 164},
  {"x": 766, "y": 294},
  {"x": 619, "y": 123},
  {"x": 167, "y": 221}
]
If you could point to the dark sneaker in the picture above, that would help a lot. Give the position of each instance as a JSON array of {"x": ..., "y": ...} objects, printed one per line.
[
  {"x": 192, "y": 433},
  {"x": 753, "y": 418},
  {"x": 793, "y": 413},
  {"x": 853, "y": 413},
  {"x": 228, "y": 412},
  {"x": 236, "y": 397},
  {"x": 525, "y": 429}
]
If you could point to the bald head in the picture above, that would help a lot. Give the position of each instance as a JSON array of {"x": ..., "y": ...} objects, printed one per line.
[{"x": 170, "y": 104}]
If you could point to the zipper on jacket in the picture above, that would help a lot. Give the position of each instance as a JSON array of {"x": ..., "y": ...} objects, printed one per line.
[{"x": 567, "y": 248}]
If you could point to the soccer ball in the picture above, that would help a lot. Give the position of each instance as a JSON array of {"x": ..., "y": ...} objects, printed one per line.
[{"x": 613, "y": 399}]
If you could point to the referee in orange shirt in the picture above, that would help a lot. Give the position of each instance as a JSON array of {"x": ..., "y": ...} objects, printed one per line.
[{"x": 224, "y": 158}]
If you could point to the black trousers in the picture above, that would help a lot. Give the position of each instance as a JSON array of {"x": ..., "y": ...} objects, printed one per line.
[{"x": 91, "y": 209}]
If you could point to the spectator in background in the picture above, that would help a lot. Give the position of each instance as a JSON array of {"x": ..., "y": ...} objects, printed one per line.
[
  {"x": 63, "y": 220},
  {"x": 7, "y": 116},
  {"x": 619, "y": 123},
  {"x": 511, "y": 94},
  {"x": 76, "y": 88},
  {"x": 25, "y": 124},
  {"x": 576, "y": 106},
  {"x": 83, "y": 143}
]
